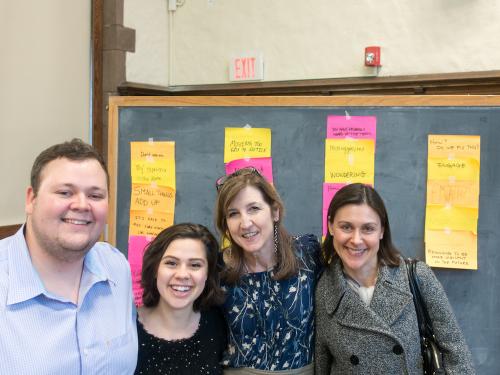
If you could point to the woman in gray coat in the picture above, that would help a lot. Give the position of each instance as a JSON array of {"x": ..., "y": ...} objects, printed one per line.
[{"x": 365, "y": 317}]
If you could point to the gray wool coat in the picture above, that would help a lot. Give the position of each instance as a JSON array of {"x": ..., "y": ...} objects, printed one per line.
[{"x": 383, "y": 338}]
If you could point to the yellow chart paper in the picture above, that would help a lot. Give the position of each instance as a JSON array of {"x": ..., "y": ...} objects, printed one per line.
[
  {"x": 349, "y": 160},
  {"x": 153, "y": 162},
  {"x": 464, "y": 193},
  {"x": 445, "y": 146},
  {"x": 452, "y": 209},
  {"x": 158, "y": 198},
  {"x": 152, "y": 196},
  {"x": 451, "y": 249},
  {"x": 464, "y": 169},
  {"x": 241, "y": 143},
  {"x": 454, "y": 218},
  {"x": 160, "y": 172},
  {"x": 152, "y": 150},
  {"x": 143, "y": 223}
]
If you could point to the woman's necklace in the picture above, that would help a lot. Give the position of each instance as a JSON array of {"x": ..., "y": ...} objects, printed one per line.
[{"x": 248, "y": 270}]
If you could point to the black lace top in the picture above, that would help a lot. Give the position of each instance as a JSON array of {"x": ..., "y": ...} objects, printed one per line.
[{"x": 199, "y": 354}]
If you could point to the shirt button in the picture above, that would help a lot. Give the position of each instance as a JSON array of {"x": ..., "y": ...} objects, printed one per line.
[
  {"x": 354, "y": 359},
  {"x": 397, "y": 349}
]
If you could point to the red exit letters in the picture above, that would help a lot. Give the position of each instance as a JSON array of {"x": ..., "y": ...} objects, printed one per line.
[{"x": 246, "y": 68}]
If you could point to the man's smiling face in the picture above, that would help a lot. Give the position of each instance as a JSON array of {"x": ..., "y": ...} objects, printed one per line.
[{"x": 68, "y": 213}]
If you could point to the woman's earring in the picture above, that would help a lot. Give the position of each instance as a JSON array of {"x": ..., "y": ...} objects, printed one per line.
[
  {"x": 276, "y": 237},
  {"x": 226, "y": 241}
]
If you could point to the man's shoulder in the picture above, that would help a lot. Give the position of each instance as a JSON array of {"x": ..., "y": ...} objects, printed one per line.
[
  {"x": 108, "y": 262},
  {"x": 109, "y": 256},
  {"x": 107, "y": 249},
  {"x": 5, "y": 244}
]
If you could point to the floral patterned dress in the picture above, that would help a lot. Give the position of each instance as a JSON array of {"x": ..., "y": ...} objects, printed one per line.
[{"x": 271, "y": 323}]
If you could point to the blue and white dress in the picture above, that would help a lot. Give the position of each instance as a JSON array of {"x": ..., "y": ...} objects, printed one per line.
[{"x": 271, "y": 323}]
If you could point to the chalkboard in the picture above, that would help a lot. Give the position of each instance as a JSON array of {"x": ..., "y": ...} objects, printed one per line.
[{"x": 298, "y": 126}]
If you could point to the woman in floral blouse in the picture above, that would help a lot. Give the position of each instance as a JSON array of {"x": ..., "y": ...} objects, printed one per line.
[{"x": 269, "y": 278}]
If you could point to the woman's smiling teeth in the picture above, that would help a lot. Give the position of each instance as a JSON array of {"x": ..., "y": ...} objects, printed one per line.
[
  {"x": 249, "y": 234},
  {"x": 356, "y": 251},
  {"x": 181, "y": 288}
]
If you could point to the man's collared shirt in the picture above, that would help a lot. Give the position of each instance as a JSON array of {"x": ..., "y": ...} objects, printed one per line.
[{"x": 45, "y": 334}]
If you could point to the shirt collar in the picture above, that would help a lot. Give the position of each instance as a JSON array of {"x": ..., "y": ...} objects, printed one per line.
[
  {"x": 24, "y": 280},
  {"x": 94, "y": 264}
]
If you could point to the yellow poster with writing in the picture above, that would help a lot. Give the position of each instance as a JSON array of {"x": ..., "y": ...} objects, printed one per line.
[
  {"x": 446, "y": 146},
  {"x": 451, "y": 249},
  {"x": 452, "y": 201},
  {"x": 464, "y": 193},
  {"x": 246, "y": 142},
  {"x": 152, "y": 196},
  {"x": 350, "y": 160},
  {"x": 158, "y": 198},
  {"x": 149, "y": 223},
  {"x": 153, "y": 162},
  {"x": 454, "y": 169}
]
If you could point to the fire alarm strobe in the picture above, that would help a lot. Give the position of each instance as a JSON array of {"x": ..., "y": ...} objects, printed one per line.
[{"x": 372, "y": 56}]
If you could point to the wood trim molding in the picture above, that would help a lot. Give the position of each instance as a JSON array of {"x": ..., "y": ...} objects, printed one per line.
[
  {"x": 478, "y": 83},
  {"x": 117, "y": 102},
  {"x": 97, "y": 76},
  {"x": 8, "y": 230}
]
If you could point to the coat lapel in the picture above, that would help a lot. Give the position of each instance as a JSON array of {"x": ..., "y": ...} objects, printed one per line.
[
  {"x": 390, "y": 298},
  {"x": 392, "y": 294}
]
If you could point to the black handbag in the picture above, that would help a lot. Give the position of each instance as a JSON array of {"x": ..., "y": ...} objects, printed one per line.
[{"x": 431, "y": 352}]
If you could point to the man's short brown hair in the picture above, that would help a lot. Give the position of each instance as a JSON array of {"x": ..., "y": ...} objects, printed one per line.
[{"x": 75, "y": 149}]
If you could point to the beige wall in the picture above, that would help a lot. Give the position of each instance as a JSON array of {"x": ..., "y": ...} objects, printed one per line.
[
  {"x": 149, "y": 64},
  {"x": 44, "y": 88},
  {"x": 310, "y": 39}
]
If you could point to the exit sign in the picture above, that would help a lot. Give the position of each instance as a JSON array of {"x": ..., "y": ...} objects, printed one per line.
[{"x": 246, "y": 68}]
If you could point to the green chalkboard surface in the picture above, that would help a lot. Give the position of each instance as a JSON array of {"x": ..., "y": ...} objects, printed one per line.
[{"x": 298, "y": 126}]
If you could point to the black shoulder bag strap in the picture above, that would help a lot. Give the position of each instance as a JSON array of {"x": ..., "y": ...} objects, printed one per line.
[{"x": 431, "y": 353}]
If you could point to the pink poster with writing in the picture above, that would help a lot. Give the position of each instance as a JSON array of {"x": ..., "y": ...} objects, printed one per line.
[
  {"x": 136, "y": 247},
  {"x": 263, "y": 165},
  {"x": 329, "y": 190},
  {"x": 357, "y": 127}
]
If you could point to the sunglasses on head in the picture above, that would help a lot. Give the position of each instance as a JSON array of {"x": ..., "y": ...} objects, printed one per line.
[{"x": 240, "y": 172}]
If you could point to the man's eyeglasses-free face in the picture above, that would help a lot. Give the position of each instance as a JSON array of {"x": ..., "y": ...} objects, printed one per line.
[{"x": 240, "y": 172}]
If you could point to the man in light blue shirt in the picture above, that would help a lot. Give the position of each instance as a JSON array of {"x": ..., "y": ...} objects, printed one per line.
[{"x": 66, "y": 302}]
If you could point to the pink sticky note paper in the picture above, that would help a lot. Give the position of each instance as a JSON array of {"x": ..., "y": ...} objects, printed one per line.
[
  {"x": 136, "y": 284},
  {"x": 329, "y": 190},
  {"x": 136, "y": 246},
  {"x": 357, "y": 127},
  {"x": 263, "y": 165}
]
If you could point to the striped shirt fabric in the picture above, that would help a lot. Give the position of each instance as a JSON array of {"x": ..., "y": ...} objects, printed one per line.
[{"x": 43, "y": 334}]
